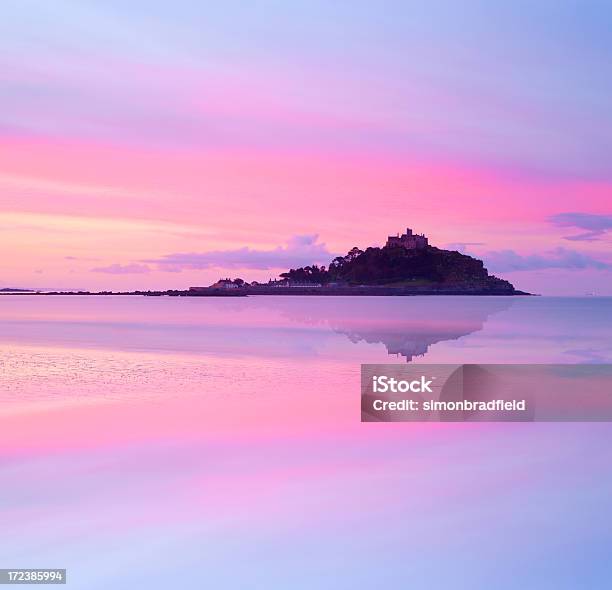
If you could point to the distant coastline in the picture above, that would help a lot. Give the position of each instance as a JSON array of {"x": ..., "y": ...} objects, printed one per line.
[{"x": 287, "y": 292}]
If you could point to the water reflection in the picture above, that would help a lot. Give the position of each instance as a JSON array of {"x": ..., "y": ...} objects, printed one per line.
[
  {"x": 250, "y": 447},
  {"x": 407, "y": 327},
  {"x": 260, "y": 326}
]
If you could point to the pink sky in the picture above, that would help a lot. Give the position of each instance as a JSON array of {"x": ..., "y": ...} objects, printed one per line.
[
  {"x": 120, "y": 156},
  {"x": 74, "y": 206}
]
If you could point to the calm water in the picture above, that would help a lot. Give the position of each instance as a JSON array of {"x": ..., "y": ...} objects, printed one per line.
[{"x": 215, "y": 443}]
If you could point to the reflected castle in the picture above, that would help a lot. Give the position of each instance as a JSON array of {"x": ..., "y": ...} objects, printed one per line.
[
  {"x": 406, "y": 326},
  {"x": 409, "y": 330}
]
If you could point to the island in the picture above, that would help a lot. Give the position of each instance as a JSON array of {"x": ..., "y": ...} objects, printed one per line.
[{"x": 406, "y": 265}]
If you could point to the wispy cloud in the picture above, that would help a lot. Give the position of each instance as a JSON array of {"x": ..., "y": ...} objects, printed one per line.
[
  {"x": 462, "y": 246},
  {"x": 596, "y": 225},
  {"x": 120, "y": 269},
  {"x": 82, "y": 258},
  {"x": 300, "y": 250},
  {"x": 509, "y": 260}
]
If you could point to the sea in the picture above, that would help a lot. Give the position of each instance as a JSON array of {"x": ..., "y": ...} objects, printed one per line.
[{"x": 173, "y": 442}]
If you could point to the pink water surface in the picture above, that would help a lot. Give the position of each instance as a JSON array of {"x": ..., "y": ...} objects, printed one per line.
[{"x": 191, "y": 443}]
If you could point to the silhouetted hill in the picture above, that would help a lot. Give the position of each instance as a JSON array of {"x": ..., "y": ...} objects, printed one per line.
[{"x": 402, "y": 267}]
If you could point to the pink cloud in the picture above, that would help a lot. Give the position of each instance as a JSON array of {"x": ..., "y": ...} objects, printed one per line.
[
  {"x": 118, "y": 269},
  {"x": 299, "y": 251}
]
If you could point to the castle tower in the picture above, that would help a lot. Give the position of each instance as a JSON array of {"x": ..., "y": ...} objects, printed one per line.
[{"x": 408, "y": 241}]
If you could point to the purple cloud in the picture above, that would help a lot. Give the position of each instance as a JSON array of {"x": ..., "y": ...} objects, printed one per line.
[
  {"x": 120, "y": 269},
  {"x": 462, "y": 246},
  {"x": 596, "y": 225},
  {"x": 299, "y": 251},
  {"x": 509, "y": 260}
]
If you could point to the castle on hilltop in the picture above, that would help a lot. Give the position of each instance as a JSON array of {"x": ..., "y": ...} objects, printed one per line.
[{"x": 409, "y": 241}]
